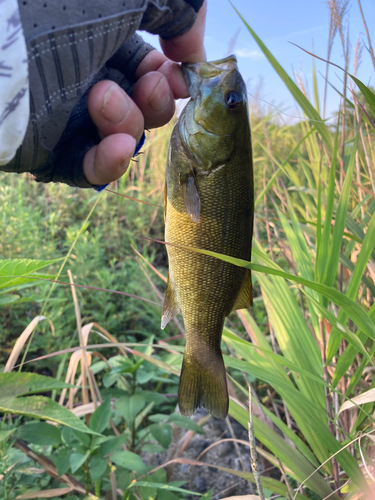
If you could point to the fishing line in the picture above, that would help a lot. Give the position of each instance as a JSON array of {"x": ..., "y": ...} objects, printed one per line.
[
  {"x": 32, "y": 278},
  {"x": 286, "y": 114}
]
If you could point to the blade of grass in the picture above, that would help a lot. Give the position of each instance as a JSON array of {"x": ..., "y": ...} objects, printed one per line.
[
  {"x": 273, "y": 178},
  {"x": 359, "y": 269},
  {"x": 340, "y": 220},
  {"x": 352, "y": 309},
  {"x": 267, "y": 482},
  {"x": 82, "y": 229},
  {"x": 288, "y": 456},
  {"x": 303, "y": 102},
  {"x": 348, "y": 356},
  {"x": 323, "y": 250}
]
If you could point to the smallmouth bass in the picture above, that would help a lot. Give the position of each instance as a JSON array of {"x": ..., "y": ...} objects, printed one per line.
[{"x": 209, "y": 204}]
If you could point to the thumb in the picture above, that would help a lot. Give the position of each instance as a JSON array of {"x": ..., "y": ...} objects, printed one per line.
[{"x": 189, "y": 46}]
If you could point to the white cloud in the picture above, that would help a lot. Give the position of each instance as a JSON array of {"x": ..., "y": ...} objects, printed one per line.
[{"x": 255, "y": 55}]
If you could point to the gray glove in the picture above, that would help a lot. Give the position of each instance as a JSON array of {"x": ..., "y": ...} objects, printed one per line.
[{"x": 71, "y": 46}]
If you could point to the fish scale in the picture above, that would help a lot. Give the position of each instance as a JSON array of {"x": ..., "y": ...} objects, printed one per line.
[{"x": 209, "y": 205}]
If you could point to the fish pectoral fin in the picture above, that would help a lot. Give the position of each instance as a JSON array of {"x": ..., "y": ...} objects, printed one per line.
[
  {"x": 191, "y": 197},
  {"x": 245, "y": 297},
  {"x": 170, "y": 306}
]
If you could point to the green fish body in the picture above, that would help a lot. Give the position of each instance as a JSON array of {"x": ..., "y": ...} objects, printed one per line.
[{"x": 209, "y": 204}]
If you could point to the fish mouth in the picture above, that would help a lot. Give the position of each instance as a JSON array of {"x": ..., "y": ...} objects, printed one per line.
[
  {"x": 229, "y": 59},
  {"x": 226, "y": 61},
  {"x": 194, "y": 73}
]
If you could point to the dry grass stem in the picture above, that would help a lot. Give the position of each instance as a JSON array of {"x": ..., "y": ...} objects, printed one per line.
[
  {"x": 347, "y": 445},
  {"x": 253, "y": 451},
  {"x": 50, "y": 467},
  {"x": 21, "y": 341},
  {"x": 56, "y": 492},
  {"x": 370, "y": 49},
  {"x": 84, "y": 363}
]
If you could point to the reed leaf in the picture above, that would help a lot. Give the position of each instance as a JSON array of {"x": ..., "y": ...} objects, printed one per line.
[
  {"x": 288, "y": 456},
  {"x": 303, "y": 102},
  {"x": 352, "y": 309}
]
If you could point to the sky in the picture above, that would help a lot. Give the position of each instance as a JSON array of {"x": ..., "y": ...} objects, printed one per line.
[{"x": 277, "y": 23}]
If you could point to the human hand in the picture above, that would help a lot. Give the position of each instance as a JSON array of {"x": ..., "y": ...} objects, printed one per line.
[{"x": 121, "y": 119}]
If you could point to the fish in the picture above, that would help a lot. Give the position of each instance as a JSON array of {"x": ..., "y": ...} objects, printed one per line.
[{"x": 209, "y": 204}]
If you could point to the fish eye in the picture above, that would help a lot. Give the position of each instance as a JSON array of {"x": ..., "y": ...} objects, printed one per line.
[{"x": 233, "y": 99}]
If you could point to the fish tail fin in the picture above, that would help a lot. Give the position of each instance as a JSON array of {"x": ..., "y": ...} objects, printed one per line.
[{"x": 203, "y": 382}]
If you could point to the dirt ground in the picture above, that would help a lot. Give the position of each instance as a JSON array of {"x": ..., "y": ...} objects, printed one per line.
[{"x": 201, "y": 479}]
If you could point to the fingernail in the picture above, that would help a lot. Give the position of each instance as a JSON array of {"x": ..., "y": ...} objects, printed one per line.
[
  {"x": 115, "y": 106},
  {"x": 126, "y": 159},
  {"x": 125, "y": 162},
  {"x": 161, "y": 96}
]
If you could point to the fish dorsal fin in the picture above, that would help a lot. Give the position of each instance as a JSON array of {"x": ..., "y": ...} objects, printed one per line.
[
  {"x": 170, "y": 306},
  {"x": 191, "y": 197},
  {"x": 245, "y": 297}
]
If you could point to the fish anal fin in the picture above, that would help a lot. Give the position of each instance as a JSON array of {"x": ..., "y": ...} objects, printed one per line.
[
  {"x": 191, "y": 197},
  {"x": 170, "y": 306},
  {"x": 203, "y": 382},
  {"x": 245, "y": 297}
]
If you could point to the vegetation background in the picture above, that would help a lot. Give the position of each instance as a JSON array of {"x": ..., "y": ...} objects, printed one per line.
[{"x": 305, "y": 350}]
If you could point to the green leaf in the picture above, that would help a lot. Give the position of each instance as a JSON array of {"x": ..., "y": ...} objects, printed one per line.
[
  {"x": 112, "y": 444},
  {"x": 362, "y": 260},
  {"x": 293, "y": 335},
  {"x": 167, "y": 487},
  {"x": 40, "y": 433},
  {"x": 97, "y": 468},
  {"x": 142, "y": 415},
  {"x": 152, "y": 448},
  {"x": 43, "y": 408},
  {"x": 162, "y": 433},
  {"x": 68, "y": 436},
  {"x": 77, "y": 459},
  {"x": 352, "y": 309},
  {"x": 100, "y": 418},
  {"x": 208, "y": 495},
  {"x": 324, "y": 245},
  {"x": 167, "y": 495},
  {"x": 130, "y": 406},
  {"x": 274, "y": 176},
  {"x": 349, "y": 354},
  {"x": 128, "y": 460},
  {"x": 62, "y": 462},
  {"x": 369, "y": 96},
  {"x": 154, "y": 397},
  {"x": 20, "y": 384},
  {"x": 158, "y": 417},
  {"x": 147, "y": 492},
  {"x": 8, "y": 299},
  {"x": 5, "y": 435},
  {"x": 186, "y": 423},
  {"x": 302, "y": 411},
  {"x": 234, "y": 341},
  {"x": 16, "y": 271},
  {"x": 300, "y": 468},
  {"x": 82, "y": 437},
  {"x": 329, "y": 272},
  {"x": 351, "y": 337}
]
